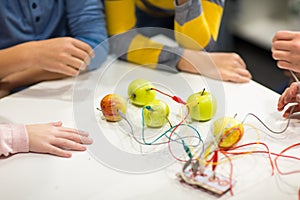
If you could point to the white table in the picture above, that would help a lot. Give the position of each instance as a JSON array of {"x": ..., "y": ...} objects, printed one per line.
[{"x": 37, "y": 176}]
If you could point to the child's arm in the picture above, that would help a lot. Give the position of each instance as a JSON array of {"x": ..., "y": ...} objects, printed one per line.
[
  {"x": 13, "y": 139},
  {"x": 197, "y": 23},
  {"x": 55, "y": 139},
  {"x": 132, "y": 46},
  {"x": 49, "y": 138},
  {"x": 64, "y": 55},
  {"x": 86, "y": 22},
  {"x": 26, "y": 78},
  {"x": 129, "y": 45}
]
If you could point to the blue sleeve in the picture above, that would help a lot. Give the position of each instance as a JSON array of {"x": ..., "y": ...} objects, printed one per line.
[{"x": 86, "y": 21}]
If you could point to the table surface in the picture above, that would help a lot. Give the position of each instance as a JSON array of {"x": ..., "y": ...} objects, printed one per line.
[{"x": 41, "y": 176}]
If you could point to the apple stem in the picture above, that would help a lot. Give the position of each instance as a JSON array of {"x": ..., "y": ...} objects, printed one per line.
[
  {"x": 99, "y": 109},
  {"x": 203, "y": 91},
  {"x": 235, "y": 115}
]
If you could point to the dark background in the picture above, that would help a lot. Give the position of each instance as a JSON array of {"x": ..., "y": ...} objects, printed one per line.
[{"x": 258, "y": 59}]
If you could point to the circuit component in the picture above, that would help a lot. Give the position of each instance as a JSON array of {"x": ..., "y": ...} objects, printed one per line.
[{"x": 209, "y": 181}]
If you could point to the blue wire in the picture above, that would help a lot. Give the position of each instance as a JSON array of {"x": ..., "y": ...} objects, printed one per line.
[{"x": 167, "y": 131}]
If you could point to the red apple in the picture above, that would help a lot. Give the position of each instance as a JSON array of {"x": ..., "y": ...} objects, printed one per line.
[{"x": 111, "y": 105}]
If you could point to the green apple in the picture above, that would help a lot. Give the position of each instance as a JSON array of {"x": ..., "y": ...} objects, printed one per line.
[
  {"x": 202, "y": 105},
  {"x": 140, "y": 93},
  {"x": 228, "y": 132},
  {"x": 111, "y": 105},
  {"x": 156, "y": 113}
]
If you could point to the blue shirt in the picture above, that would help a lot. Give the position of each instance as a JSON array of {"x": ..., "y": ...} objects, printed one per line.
[{"x": 28, "y": 20}]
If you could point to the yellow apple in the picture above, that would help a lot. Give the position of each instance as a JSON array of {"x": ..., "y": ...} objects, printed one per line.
[
  {"x": 140, "y": 93},
  {"x": 202, "y": 105},
  {"x": 228, "y": 132},
  {"x": 156, "y": 113}
]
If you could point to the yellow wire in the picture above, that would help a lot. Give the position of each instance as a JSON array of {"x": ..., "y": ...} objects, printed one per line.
[{"x": 235, "y": 157}]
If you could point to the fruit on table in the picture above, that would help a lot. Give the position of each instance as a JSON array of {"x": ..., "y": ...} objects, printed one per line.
[
  {"x": 140, "y": 93},
  {"x": 111, "y": 105},
  {"x": 228, "y": 132},
  {"x": 156, "y": 113},
  {"x": 202, "y": 105}
]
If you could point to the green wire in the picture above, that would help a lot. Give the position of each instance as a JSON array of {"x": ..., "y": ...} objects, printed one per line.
[{"x": 167, "y": 131}]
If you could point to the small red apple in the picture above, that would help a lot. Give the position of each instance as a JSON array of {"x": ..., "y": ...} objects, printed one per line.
[{"x": 111, "y": 105}]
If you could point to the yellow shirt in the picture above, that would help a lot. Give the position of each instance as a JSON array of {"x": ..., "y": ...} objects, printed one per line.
[{"x": 196, "y": 25}]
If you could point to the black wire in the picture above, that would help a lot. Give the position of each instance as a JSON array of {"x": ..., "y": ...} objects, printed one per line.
[{"x": 266, "y": 126}]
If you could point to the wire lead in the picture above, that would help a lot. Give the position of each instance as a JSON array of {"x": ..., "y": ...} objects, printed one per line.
[{"x": 294, "y": 76}]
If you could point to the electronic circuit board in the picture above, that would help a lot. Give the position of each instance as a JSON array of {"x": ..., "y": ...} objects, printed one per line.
[{"x": 217, "y": 184}]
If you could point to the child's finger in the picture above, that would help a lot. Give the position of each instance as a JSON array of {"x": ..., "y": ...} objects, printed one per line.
[
  {"x": 59, "y": 123},
  {"x": 75, "y": 137},
  {"x": 288, "y": 111},
  {"x": 57, "y": 151},
  {"x": 283, "y": 35},
  {"x": 68, "y": 144},
  {"x": 74, "y": 131}
]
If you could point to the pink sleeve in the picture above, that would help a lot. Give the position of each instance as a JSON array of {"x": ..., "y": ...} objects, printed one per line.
[{"x": 13, "y": 139}]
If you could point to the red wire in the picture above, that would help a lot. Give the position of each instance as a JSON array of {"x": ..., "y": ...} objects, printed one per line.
[
  {"x": 161, "y": 92},
  {"x": 178, "y": 100},
  {"x": 255, "y": 143},
  {"x": 225, "y": 153},
  {"x": 169, "y": 146},
  {"x": 271, "y": 153},
  {"x": 231, "y": 171},
  {"x": 215, "y": 161},
  {"x": 275, "y": 154},
  {"x": 210, "y": 160},
  {"x": 175, "y": 98},
  {"x": 281, "y": 155}
]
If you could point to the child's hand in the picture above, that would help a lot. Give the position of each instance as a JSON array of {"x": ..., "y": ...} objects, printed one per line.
[
  {"x": 224, "y": 66},
  {"x": 290, "y": 95},
  {"x": 286, "y": 50},
  {"x": 63, "y": 55},
  {"x": 54, "y": 139}
]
